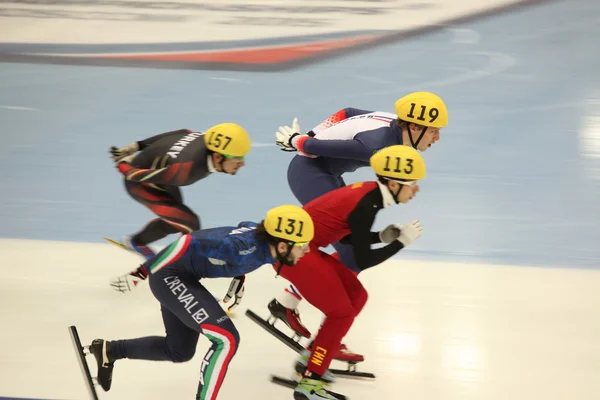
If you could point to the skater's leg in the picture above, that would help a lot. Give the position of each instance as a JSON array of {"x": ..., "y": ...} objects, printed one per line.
[
  {"x": 179, "y": 344},
  {"x": 307, "y": 180},
  {"x": 329, "y": 286},
  {"x": 188, "y": 310},
  {"x": 167, "y": 204},
  {"x": 345, "y": 253}
]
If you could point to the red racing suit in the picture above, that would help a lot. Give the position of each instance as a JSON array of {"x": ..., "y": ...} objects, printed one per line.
[{"x": 345, "y": 214}]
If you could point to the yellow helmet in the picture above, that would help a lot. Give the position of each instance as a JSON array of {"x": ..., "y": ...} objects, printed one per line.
[
  {"x": 423, "y": 108},
  {"x": 228, "y": 139},
  {"x": 399, "y": 162},
  {"x": 290, "y": 223}
]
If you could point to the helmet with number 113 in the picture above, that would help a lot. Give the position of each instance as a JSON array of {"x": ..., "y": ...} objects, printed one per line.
[{"x": 399, "y": 168}]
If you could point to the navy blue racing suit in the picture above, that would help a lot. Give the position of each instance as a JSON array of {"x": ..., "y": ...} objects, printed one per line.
[
  {"x": 342, "y": 143},
  {"x": 188, "y": 308}
]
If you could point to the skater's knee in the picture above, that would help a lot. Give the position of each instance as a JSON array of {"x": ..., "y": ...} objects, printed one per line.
[
  {"x": 194, "y": 222},
  {"x": 191, "y": 224},
  {"x": 235, "y": 336},
  {"x": 225, "y": 335},
  {"x": 181, "y": 355},
  {"x": 360, "y": 299}
]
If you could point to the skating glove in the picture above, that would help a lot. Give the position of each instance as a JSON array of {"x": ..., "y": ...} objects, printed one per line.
[
  {"x": 290, "y": 139},
  {"x": 390, "y": 233},
  {"x": 119, "y": 154},
  {"x": 128, "y": 282},
  {"x": 236, "y": 290},
  {"x": 410, "y": 232}
]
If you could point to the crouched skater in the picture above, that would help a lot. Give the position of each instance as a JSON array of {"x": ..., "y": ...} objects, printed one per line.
[{"x": 188, "y": 309}]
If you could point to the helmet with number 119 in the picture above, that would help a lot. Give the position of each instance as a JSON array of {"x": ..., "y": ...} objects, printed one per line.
[
  {"x": 228, "y": 139},
  {"x": 422, "y": 108}
]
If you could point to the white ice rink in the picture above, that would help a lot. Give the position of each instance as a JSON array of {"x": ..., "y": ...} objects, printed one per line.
[
  {"x": 515, "y": 181},
  {"x": 429, "y": 330}
]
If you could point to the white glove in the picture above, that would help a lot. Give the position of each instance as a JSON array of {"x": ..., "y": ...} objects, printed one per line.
[
  {"x": 128, "y": 282},
  {"x": 119, "y": 153},
  {"x": 287, "y": 138},
  {"x": 410, "y": 232},
  {"x": 390, "y": 233},
  {"x": 236, "y": 290}
]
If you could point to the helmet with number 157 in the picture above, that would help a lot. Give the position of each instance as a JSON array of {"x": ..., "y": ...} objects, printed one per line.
[
  {"x": 290, "y": 223},
  {"x": 228, "y": 139},
  {"x": 399, "y": 163},
  {"x": 423, "y": 108}
]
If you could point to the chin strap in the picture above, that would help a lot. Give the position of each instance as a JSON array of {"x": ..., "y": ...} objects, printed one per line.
[
  {"x": 283, "y": 258},
  {"x": 412, "y": 142},
  {"x": 395, "y": 195}
]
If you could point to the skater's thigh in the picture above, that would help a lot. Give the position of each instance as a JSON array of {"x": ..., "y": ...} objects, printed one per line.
[
  {"x": 307, "y": 181},
  {"x": 146, "y": 193},
  {"x": 348, "y": 278},
  {"x": 345, "y": 253},
  {"x": 184, "y": 296},
  {"x": 166, "y": 203},
  {"x": 319, "y": 284},
  {"x": 181, "y": 339}
]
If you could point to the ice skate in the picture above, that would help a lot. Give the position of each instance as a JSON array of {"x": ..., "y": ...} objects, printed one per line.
[
  {"x": 142, "y": 250},
  {"x": 290, "y": 317},
  {"x": 344, "y": 354},
  {"x": 302, "y": 362},
  {"x": 312, "y": 389},
  {"x": 351, "y": 359},
  {"x": 100, "y": 349}
]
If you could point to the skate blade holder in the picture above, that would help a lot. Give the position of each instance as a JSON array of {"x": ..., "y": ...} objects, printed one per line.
[
  {"x": 81, "y": 353},
  {"x": 271, "y": 321},
  {"x": 267, "y": 325},
  {"x": 351, "y": 372}
]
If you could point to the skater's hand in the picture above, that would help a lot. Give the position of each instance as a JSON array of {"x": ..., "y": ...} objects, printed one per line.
[
  {"x": 390, "y": 233},
  {"x": 128, "y": 282},
  {"x": 289, "y": 139},
  {"x": 410, "y": 232},
  {"x": 236, "y": 289},
  {"x": 285, "y": 136},
  {"x": 118, "y": 154}
]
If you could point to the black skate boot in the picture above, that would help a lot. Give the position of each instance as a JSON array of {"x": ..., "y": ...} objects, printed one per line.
[
  {"x": 101, "y": 351},
  {"x": 290, "y": 317}
]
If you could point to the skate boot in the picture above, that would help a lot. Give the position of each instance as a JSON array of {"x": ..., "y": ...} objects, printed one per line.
[
  {"x": 344, "y": 354},
  {"x": 290, "y": 317},
  {"x": 101, "y": 351},
  {"x": 311, "y": 389},
  {"x": 142, "y": 250},
  {"x": 302, "y": 362}
]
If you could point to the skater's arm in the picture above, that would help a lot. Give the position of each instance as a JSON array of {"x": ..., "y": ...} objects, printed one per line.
[
  {"x": 337, "y": 117},
  {"x": 375, "y": 239},
  {"x": 361, "y": 147},
  {"x": 175, "y": 174},
  {"x": 350, "y": 148},
  {"x": 148, "y": 141},
  {"x": 360, "y": 222}
]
